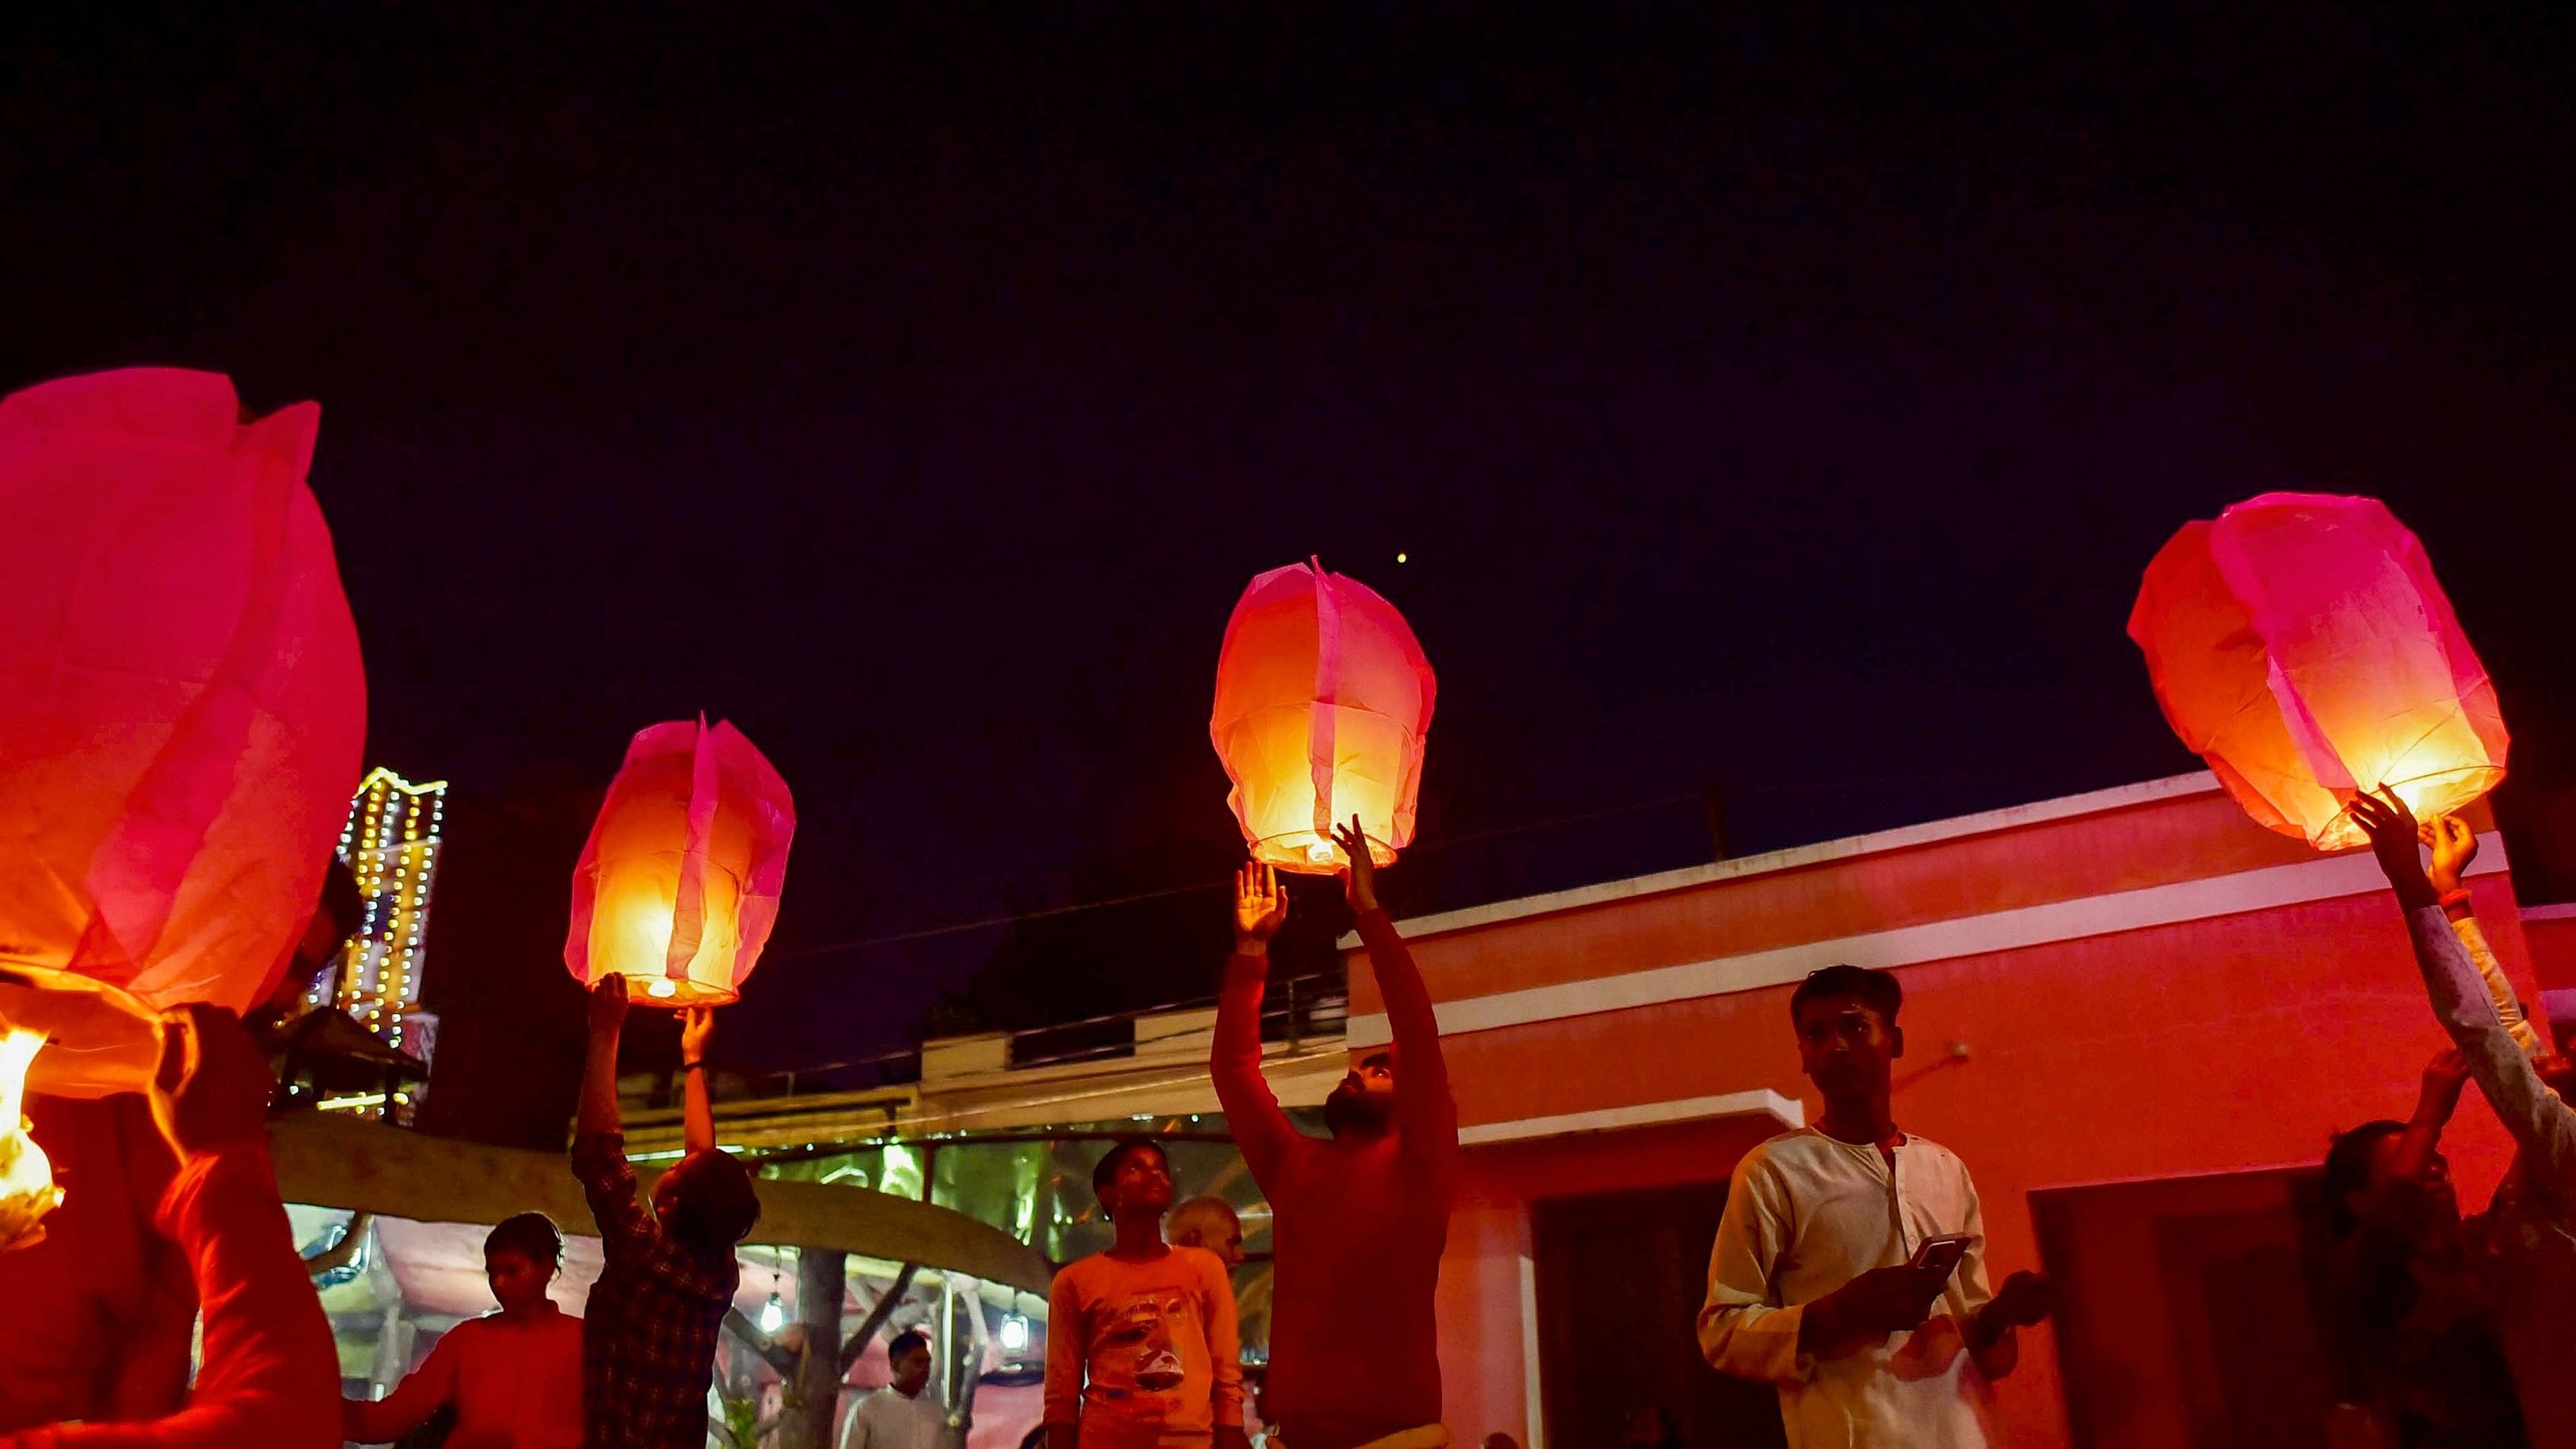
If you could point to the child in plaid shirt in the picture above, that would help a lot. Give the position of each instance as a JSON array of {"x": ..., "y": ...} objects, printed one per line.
[{"x": 649, "y": 1334}]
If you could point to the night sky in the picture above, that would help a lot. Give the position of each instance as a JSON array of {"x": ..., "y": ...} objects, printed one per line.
[{"x": 1786, "y": 403}]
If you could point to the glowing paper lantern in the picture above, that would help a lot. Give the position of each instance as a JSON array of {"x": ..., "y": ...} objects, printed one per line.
[
  {"x": 678, "y": 885},
  {"x": 2301, "y": 645},
  {"x": 181, "y": 700},
  {"x": 1323, "y": 699}
]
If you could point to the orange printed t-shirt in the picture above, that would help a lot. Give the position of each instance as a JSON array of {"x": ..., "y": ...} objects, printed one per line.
[{"x": 1144, "y": 1354}]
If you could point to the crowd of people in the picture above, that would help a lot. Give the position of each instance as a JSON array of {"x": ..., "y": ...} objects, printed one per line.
[{"x": 1848, "y": 1270}]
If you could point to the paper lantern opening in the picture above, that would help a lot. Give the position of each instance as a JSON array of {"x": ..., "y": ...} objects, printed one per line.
[
  {"x": 678, "y": 885},
  {"x": 2301, "y": 645},
  {"x": 1323, "y": 702}
]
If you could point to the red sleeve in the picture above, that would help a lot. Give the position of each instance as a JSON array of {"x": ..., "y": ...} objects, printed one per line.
[
  {"x": 152, "y": 1373},
  {"x": 272, "y": 1373},
  {"x": 1262, "y": 1133},
  {"x": 418, "y": 1396},
  {"x": 1424, "y": 1110}
]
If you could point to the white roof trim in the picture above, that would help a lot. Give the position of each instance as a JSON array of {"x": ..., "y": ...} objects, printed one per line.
[
  {"x": 1906, "y": 837},
  {"x": 1760, "y": 1102},
  {"x": 2267, "y": 888}
]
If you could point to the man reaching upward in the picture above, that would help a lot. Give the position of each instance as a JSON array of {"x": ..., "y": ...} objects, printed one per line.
[{"x": 1358, "y": 1220}]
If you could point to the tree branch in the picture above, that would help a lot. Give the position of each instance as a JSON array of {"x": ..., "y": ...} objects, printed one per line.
[
  {"x": 883, "y": 1309},
  {"x": 760, "y": 1343}
]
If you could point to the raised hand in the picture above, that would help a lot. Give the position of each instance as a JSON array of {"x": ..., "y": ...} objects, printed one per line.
[
  {"x": 1260, "y": 907},
  {"x": 2393, "y": 838},
  {"x": 697, "y": 1026},
  {"x": 607, "y": 1004},
  {"x": 2444, "y": 1076},
  {"x": 2454, "y": 846},
  {"x": 1359, "y": 872}
]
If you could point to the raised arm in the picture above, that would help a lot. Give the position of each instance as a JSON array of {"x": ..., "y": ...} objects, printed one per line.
[
  {"x": 1261, "y": 1131},
  {"x": 1424, "y": 1110},
  {"x": 2454, "y": 846},
  {"x": 599, "y": 1143},
  {"x": 697, "y": 1117},
  {"x": 2541, "y": 1124},
  {"x": 598, "y": 1108}
]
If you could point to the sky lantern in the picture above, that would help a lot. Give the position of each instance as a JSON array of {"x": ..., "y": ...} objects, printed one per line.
[
  {"x": 1323, "y": 700},
  {"x": 182, "y": 708},
  {"x": 2302, "y": 646},
  {"x": 678, "y": 885}
]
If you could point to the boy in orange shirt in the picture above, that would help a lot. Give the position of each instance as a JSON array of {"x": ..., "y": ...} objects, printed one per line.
[{"x": 1142, "y": 1350}]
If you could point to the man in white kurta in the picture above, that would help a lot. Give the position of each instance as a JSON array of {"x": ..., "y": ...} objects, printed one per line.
[
  {"x": 1809, "y": 1287},
  {"x": 907, "y": 1413}
]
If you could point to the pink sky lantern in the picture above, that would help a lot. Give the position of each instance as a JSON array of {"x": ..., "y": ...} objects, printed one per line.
[
  {"x": 1323, "y": 700},
  {"x": 678, "y": 886},
  {"x": 2302, "y": 646},
  {"x": 182, "y": 706}
]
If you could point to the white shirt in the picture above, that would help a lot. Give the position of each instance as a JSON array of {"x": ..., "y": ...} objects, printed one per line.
[
  {"x": 888, "y": 1420},
  {"x": 1807, "y": 1214}
]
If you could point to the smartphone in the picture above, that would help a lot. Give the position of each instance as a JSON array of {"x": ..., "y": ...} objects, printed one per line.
[{"x": 1942, "y": 1255}]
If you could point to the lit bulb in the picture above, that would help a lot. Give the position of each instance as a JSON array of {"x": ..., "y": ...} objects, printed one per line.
[
  {"x": 1015, "y": 1333},
  {"x": 772, "y": 1315}
]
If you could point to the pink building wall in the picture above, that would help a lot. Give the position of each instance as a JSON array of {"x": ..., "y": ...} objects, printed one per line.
[{"x": 2146, "y": 984}]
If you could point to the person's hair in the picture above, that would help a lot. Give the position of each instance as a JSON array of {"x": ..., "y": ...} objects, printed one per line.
[
  {"x": 713, "y": 1205},
  {"x": 1107, "y": 1171},
  {"x": 532, "y": 1236},
  {"x": 1202, "y": 1212},
  {"x": 1877, "y": 990},
  {"x": 2347, "y": 1170},
  {"x": 905, "y": 1342},
  {"x": 340, "y": 899}
]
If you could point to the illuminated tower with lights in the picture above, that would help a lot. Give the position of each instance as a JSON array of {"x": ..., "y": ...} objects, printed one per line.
[{"x": 391, "y": 846}]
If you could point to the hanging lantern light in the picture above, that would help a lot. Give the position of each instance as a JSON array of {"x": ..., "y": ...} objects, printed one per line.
[
  {"x": 2301, "y": 645},
  {"x": 678, "y": 885},
  {"x": 181, "y": 712},
  {"x": 1323, "y": 700}
]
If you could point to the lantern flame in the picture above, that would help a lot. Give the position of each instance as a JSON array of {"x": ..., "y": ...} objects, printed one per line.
[
  {"x": 27, "y": 1190},
  {"x": 2302, "y": 646}
]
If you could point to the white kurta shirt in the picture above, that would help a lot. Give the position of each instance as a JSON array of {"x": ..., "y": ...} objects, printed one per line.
[
  {"x": 1807, "y": 1214},
  {"x": 888, "y": 1420}
]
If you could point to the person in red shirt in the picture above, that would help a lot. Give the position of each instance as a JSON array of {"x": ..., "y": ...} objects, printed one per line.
[
  {"x": 272, "y": 1373},
  {"x": 1358, "y": 1221},
  {"x": 513, "y": 1377}
]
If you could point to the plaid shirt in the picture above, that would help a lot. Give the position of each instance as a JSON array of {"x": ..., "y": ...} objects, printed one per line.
[{"x": 648, "y": 1342}]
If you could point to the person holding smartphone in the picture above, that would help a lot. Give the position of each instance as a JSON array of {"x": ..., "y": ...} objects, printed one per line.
[{"x": 1849, "y": 1269}]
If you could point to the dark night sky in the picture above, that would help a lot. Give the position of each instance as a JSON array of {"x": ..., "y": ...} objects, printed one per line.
[{"x": 1784, "y": 401}]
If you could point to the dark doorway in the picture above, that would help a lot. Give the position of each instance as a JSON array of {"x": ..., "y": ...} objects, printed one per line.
[
  {"x": 1620, "y": 1280},
  {"x": 2187, "y": 1320}
]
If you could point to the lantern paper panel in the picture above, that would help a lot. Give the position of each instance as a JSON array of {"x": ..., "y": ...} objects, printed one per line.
[
  {"x": 1323, "y": 701},
  {"x": 2301, "y": 645},
  {"x": 678, "y": 886},
  {"x": 182, "y": 704}
]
